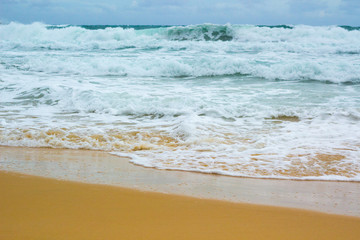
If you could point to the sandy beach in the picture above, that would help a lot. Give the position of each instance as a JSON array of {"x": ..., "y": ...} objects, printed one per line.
[
  {"x": 39, "y": 208},
  {"x": 43, "y": 208},
  {"x": 155, "y": 120},
  {"x": 98, "y": 167}
]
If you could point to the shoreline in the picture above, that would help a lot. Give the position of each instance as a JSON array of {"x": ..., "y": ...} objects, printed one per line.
[
  {"x": 42, "y": 208},
  {"x": 97, "y": 167}
]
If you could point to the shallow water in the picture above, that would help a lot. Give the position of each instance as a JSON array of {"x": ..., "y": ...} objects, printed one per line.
[{"x": 237, "y": 100}]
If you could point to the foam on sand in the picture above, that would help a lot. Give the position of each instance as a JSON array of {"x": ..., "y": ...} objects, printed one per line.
[{"x": 102, "y": 168}]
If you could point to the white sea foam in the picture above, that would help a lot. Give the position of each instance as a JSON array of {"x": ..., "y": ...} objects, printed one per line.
[
  {"x": 320, "y": 53},
  {"x": 189, "y": 99}
]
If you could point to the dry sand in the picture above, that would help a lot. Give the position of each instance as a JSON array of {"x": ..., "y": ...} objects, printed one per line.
[
  {"x": 39, "y": 208},
  {"x": 100, "y": 167}
]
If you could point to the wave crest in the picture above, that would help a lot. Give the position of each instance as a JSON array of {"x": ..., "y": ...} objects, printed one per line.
[
  {"x": 204, "y": 32},
  {"x": 328, "y": 53}
]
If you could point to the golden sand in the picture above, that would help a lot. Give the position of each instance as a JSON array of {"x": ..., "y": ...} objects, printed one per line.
[
  {"x": 40, "y": 208},
  {"x": 98, "y": 167}
]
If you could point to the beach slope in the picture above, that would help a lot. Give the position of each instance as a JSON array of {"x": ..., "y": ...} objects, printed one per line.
[{"x": 41, "y": 208}]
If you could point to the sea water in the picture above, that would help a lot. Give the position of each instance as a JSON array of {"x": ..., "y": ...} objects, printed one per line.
[{"x": 240, "y": 100}]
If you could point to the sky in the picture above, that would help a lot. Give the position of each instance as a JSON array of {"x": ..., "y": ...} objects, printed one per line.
[{"x": 182, "y": 12}]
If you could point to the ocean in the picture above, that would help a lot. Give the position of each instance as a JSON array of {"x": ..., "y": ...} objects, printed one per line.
[{"x": 242, "y": 100}]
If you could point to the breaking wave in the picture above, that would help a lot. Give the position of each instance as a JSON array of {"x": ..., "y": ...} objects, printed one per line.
[
  {"x": 283, "y": 52},
  {"x": 198, "y": 98}
]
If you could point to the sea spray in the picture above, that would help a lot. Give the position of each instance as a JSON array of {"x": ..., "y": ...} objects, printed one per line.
[{"x": 241, "y": 100}]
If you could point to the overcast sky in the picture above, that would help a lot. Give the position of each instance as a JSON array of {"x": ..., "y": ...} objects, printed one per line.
[{"x": 182, "y": 12}]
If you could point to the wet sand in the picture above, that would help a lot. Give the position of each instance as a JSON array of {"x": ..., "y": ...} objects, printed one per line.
[
  {"x": 40, "y": 208},
  {"x": 103, "y": 168}
]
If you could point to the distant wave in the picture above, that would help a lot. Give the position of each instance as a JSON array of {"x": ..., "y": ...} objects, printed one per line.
[
  {"x": 141, "y": 27},
  {"x": 350, "y": 28},
  {"x": 283, "y": 52},
  {"x": 206, "y": 32},
  {"x": 101, "y": 27},
  {"x": 41, "y": 33}
]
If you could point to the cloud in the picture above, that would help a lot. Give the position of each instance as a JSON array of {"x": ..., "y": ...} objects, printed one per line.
[
  {"x": 134, "y": 4},
  {"x": 161, "y": 3},
  {"x": 183, "y": 11}
]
